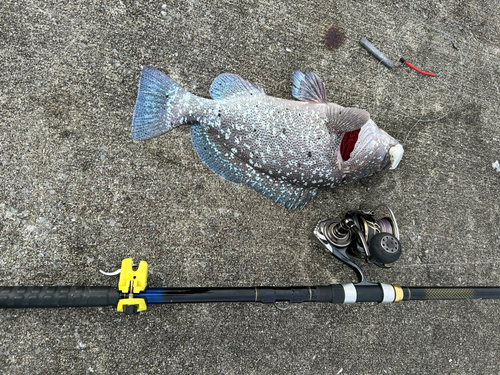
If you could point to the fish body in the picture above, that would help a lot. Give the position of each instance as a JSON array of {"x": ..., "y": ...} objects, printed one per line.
[{"x": 284, "y": 149}]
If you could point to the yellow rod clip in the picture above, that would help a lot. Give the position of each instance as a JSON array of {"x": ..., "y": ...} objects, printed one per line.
[
  {"x": 132, "y": 282},
  {"x": 139, "y": 278}
]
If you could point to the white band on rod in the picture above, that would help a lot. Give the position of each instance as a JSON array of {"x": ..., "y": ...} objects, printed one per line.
[
  {"x": 389, "y": 293},
  {"x": 350, "y": 294}
]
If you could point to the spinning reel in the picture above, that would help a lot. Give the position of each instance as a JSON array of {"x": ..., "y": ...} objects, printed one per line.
[{"x": 370, "y": 235}]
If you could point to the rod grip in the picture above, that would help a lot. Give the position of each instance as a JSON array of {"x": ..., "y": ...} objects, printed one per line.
[
  {"x": 450, "y": 293},
  {"x": 57, "y": 296}
]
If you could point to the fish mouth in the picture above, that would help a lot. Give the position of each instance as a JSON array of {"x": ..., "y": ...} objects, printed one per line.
[
  {"x": 396, "y": 154},
  {"x": 373, "y": 141}
]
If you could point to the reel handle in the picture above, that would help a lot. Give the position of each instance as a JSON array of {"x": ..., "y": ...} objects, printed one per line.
[{"x": 385, "y": 248}]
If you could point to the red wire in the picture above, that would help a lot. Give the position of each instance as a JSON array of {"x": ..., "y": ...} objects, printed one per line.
[{"x": 418, "y": 70}]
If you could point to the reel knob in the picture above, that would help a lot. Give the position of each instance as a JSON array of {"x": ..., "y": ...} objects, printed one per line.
[{"x": 385, "y": 248}]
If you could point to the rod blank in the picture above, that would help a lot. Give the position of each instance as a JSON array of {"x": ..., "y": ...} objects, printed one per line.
[{"x": 88, "y": 296}]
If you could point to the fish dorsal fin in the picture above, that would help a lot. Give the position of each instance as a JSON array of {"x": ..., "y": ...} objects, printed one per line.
[
  {"x": 342, "y": 120},
  {"x": 228, "y": 85},
  {"x": 308, "y": 87}
]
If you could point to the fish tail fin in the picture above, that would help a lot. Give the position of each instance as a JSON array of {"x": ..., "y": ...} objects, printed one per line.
[{"x": 160, "y": 105}]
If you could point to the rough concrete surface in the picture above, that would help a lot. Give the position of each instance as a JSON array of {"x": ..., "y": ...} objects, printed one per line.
[{"x": 78, "y": 195}]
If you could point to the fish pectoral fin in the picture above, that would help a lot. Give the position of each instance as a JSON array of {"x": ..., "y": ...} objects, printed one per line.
[
  {"x": 308, "y": 87},
  {"x": 343, "y": 120},
  {"x": 226, "y": 164},
  {"x": 227, "y": 86}
]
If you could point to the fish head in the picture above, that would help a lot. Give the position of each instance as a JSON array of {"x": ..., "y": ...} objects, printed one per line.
[{"x": 374, "y": 150}]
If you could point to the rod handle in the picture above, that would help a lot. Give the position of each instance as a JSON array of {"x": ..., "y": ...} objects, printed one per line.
[
  {"x": 450, "y": 293},
  {"x": 57, "y": 296}
]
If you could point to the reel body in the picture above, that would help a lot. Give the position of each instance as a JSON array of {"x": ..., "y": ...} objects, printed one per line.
[{"x": 369, "y": 235}]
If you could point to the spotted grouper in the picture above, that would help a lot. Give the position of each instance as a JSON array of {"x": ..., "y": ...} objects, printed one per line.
[{"x": 284, "y": 149}]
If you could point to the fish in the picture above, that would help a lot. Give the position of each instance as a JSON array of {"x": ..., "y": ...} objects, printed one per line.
[{"x": 283, "y": 149}]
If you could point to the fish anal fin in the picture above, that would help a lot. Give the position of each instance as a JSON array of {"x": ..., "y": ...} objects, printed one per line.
[
  {"x": 308, "y": 87},
  {"x": 227, "y": 165},
  {"x": 227, "y": 86}
]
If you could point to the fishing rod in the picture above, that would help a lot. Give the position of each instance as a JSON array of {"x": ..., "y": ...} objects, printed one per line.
[{"x": 369, "y": 236}]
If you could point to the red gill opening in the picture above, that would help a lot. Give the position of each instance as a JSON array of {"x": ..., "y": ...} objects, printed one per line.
[{"x": 347, "y": 144}]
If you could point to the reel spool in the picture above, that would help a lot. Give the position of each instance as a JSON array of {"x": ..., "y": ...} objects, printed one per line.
[
  {"x": 381, "y": 235},
  {"x": 372, "y": 235}
]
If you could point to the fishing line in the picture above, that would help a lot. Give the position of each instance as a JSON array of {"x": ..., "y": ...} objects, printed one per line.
[
  {"x": 456, "y": 65},
  {"x": 444, "y": 88}
]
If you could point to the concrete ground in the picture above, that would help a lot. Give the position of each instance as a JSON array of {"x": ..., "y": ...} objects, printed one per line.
[{"x": 78, "y": 195}]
